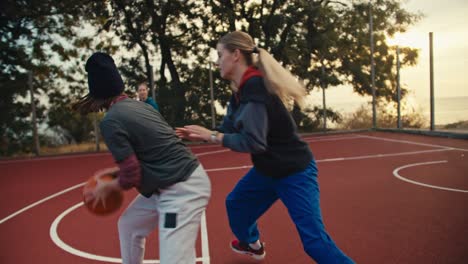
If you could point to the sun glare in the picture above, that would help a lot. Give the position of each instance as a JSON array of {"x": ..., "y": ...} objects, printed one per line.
[
  {"x": 418, "y": 40},
  {"x": 442, "y": 41}
]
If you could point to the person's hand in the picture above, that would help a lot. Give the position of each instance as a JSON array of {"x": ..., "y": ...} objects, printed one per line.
[
  {"x": 183, "y": 133},
  {"x": 193, "y": 133},
  {"x": 103, "y": 187},
  {"x": 198, "y": 132}
]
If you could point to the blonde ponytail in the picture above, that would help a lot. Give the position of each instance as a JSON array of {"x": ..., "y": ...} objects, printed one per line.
[{"x": 278, "y": 80}]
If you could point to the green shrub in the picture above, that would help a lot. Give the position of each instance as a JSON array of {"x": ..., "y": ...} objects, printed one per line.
[{"x": 386, "y": 118}]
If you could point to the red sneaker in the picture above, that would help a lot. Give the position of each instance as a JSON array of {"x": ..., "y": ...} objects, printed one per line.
[{"x": 244, "y": 248}]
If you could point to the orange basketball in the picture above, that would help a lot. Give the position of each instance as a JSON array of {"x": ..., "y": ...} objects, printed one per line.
[{"x": 112, "y": 202}]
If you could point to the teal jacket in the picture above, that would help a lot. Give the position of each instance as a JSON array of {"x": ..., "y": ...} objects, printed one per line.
[{"x": 151, "y": 102}]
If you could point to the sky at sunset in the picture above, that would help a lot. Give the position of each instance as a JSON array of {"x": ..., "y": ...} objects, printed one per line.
[{"x": 446, "y": 19}]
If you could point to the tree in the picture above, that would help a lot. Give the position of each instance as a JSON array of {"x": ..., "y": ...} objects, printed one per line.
[
  {"x": 389, "y": 18},
  {"x": 26, "y": 44},
  {"x": 304, "y": 35},
  {"x": 324, "y": 43},
  {"x": 167, "y": 33},
  {"x": 42, "y": 37}
]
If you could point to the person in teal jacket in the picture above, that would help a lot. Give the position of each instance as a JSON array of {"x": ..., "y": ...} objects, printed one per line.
[{"x": 143, "y": 96}]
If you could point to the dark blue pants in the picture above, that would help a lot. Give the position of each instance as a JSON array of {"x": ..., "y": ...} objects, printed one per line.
[{"x": 299, "y": 192}]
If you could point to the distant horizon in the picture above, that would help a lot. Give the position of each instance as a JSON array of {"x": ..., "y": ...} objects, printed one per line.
[
  {"x": 446, "y": 19},
  {"x": 447, "y": 109}
]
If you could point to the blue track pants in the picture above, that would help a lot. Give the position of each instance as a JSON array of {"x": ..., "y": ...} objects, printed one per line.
[{"x": 299, "y": 192}]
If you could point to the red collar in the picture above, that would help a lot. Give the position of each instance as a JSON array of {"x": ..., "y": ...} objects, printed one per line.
[
  {"x": 117, "y": 99},
  {"x": 249, "y": 73}
]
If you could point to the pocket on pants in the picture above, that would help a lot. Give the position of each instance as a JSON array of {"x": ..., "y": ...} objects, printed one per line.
[{"x": 170, "y": 220}]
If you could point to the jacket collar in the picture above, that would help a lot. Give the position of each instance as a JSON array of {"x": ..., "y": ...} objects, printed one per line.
[{"x": 249, "y": 73}]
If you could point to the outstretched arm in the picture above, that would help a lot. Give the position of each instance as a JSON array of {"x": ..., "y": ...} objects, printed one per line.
[{"x": 252, "y": 127}]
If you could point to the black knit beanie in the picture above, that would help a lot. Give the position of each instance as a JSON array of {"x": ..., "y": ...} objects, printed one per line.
[{"x": 104, "y": 80}]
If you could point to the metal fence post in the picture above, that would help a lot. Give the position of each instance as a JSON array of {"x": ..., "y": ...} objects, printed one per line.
[
  {"x": 398, "y": 87},
  {"x": 213, "y": 114},
  {"x": 431, "y": 70},
  {"x": 374, "y": 110},
  {"x": 36, "y": 147}
]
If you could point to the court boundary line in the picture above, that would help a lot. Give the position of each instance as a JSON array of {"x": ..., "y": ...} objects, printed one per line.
[
  {"x": 331, "y": 139},
  {"x": 6, "y": 162},
  {"x": 204, "y": 239},
  {"x": 329, "y": 136},
  {"x": 345, "y": 158},
  {"x": 64, "y": 156},
  {"x": 412, "y": 142},
  {"x": 84, "y": 155},
  {"x": 211, "y": 152},
  {"x": 374, "y": 156},
  {"x": 202, "y": 146},
  {"x": 397, "y": 175},
  {"x": 305, "y": 138}
]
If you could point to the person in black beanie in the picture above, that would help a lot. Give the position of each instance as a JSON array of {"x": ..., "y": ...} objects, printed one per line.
[
  {"x": 152, "y": 159},
  {"x": 104, "y": 83}
]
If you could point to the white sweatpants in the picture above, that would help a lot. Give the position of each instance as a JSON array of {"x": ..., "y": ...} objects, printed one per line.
[{"x": 177, "y": 209}]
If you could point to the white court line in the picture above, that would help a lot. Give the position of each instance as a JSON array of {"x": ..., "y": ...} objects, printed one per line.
[
  {"x": 384, "y": 155},
  {"x": 64, "y": 246},
  {"x": 308, "y": 139},
  {"x": 246, "y": 167},
  {"x": 412, "y": 143},
  {"x": 314, "y": 139},
  {"x": 203, "y": 146},
  {"x": 230, "y": 168},
  {"x": 204, "y": 258},
  {"x": 212, "y": 152},
  {"x": 74, "y": 187},
  {"x": 204, "y": 240},
  {"x": 397, "y": 170},
  {"x": 55, "y": 158},
  {"x": 344, "y": 158},
  {"x": 88, "y": 155},
  {"x": 330, "y": 139},
  {"x": 39, "y": 202}
]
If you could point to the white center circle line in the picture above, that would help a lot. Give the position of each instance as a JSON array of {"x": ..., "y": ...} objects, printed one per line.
[
  {"x": 56, "y": 239},
  {"x": 397, "y": 175}
]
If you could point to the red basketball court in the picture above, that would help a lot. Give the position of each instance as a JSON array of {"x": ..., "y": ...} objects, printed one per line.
[{"x": 385, "y": 198}]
